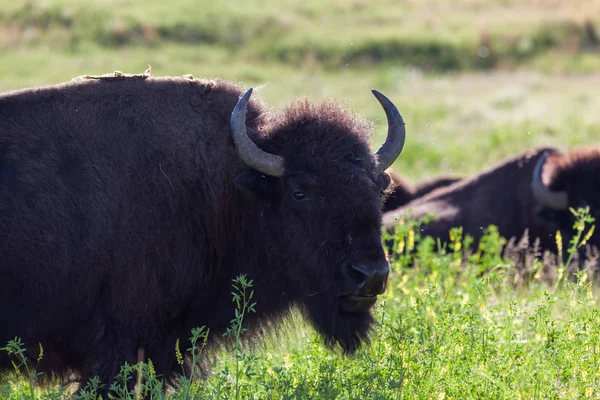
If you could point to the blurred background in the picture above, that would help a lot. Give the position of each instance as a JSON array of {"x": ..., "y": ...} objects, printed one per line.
[{"x": 476, "y": 80}]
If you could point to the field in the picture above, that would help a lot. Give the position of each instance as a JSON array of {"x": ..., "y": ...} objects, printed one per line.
[{"x": 475, "y": 80}]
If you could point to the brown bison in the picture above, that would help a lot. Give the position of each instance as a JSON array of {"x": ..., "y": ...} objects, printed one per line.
[
  {"x": 402, "y": 192},
  {"x": 129, "y": 203},
  {"x": 531, "y": 191}
]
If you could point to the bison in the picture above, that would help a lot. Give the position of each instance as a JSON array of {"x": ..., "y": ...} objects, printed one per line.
[
  {"x": 402, "y": 192},
  {"x": 531, "y": 191},
  {"x": 128, "y": 204}
]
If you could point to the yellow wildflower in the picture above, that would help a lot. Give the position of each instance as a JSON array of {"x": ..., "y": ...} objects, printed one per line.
[
  {"x": 400, "y": 248},
  {"x": 411, "y": 239},
  {"x": 457, "y": 246},
  {"x": 151, "y": 368},
  {"x": 588, "y": 235},
  {"x": 178, "y": 353},
  {"x": 559, "y": 243},
  {"x": 205, "y": 338}
]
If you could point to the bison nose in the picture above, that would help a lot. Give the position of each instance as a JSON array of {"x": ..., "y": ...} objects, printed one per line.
[{"x": 371, "y": 279}]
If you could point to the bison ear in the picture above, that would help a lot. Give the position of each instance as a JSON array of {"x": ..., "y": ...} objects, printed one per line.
[
  {"x": 256, "y": 183},
  {"x": 386, "y": 179}
]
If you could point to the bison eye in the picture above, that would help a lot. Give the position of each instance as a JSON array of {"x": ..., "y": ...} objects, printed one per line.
[{"x": 299, "y": 196}]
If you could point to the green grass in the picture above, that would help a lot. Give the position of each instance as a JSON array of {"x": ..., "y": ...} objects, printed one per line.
[
  {"x": 455, "y": 325},
  {"x": 438, "y": 36}
]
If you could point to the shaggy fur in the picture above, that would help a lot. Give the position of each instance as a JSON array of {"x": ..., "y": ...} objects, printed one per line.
[
  {"x": 502, "y": 196},
  {"x": 125, "y": 213},
  {"x": 577, "y": 173},
  {"x": 401, "y": 192}
]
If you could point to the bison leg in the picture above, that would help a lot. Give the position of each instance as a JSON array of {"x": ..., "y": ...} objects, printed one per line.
[{"x": 111, "y": 349}]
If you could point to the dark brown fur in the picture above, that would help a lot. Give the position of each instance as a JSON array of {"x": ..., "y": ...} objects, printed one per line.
[
  {"x": 502, "y": 196},
  {"x": 402, "y": 191},
  {"x": 577, "y": 173},
  {"x": 121, "y": 226}
]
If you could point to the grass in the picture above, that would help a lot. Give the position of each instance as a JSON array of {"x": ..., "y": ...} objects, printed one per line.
[
  {"x": 439, "y": 36},
  {"x": 476, "y": 81}
]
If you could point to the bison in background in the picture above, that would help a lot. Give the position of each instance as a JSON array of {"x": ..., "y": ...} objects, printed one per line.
[
  {"x": 531, "y": 191},
  {"x": 403, "y": 192},
  {"x": 129, "y": 203}
]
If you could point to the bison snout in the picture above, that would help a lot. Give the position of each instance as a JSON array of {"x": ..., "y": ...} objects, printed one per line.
[{"x": 371, "y": 280}]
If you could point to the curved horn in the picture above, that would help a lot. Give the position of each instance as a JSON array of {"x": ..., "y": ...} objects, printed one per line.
[
  {"x": 264, "y": 162},
  {"x": 392, "y": 147},
  {"x": 543, "y": 195}
]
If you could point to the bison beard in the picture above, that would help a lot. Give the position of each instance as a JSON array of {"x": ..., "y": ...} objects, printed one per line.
[
  {"x": 128, "y": 205},
  {"x": 348, "y": 330}
]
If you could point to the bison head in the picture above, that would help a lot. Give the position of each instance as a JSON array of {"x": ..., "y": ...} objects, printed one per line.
[
  {"x": 318, "y": 188},
  {"x": 572, "y": 181}
]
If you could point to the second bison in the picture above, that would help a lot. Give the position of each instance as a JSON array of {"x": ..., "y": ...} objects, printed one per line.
[
  {"x": 532, "y": 191},
  {"x": 403, "y": 192}
]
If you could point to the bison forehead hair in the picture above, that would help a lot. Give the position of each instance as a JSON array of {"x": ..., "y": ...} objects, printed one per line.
[
  {"x": 572, "y": 180},
  {"x": 581, "y": 161},
  {"x": 322, "y": 138},
  {"x": 577, "y": 173}
]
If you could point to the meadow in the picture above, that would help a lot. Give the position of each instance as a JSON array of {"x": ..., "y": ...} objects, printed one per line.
[{"x": 475, "y": 80}]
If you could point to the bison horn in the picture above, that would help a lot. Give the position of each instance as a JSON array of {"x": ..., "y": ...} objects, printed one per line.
[
  {"x": 264, "y": 162},
  {"x": 543, "y": 195},
  {"x": 392, "y": 147}
]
